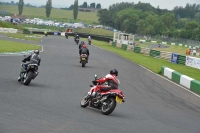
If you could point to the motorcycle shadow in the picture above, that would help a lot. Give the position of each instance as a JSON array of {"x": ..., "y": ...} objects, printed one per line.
[
  {"x": 37, "y": 85},
  {"x": 114, "y": 114},
  {"x": 79, "y": 65}
]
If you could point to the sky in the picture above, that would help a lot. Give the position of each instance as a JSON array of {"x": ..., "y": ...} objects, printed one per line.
[{"x": 163, "y": 4}]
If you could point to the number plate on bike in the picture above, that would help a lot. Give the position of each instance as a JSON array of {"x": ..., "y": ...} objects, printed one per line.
[
  {"x": 83, "y": 59},
  {"x": 119, "y": 100}
]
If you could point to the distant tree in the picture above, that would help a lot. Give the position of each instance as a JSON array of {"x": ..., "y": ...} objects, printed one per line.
[
  {"x": 48, "y": 8},
  {"x": 20, "y": 6},
  {"x": 75, "y": 11},
  {"x": 84, "y": 5},
  {"x": 71, "y": 7},
  {"x": 92, "y": 5},
  {"x": 197, "y": 17},
  {"x": 144, "y": 7},
  {"x": 98, "y": 6},
  {"x": 104, "y": 17},
  {"x": 12, "y": 2}
]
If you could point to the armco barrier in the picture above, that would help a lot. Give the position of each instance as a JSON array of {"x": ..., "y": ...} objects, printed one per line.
[
  {"x": 154, "y": 53},
  {"x": 8, "y": 30},
  {"x": 137, "y": 49},
  {"x": 190, "y": 83},
  {"x": 84, "y": 35},
  {"x": 181, "y": 59}
]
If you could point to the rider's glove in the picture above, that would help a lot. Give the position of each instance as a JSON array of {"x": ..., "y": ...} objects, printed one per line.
[{"x": 94, "y": 82}]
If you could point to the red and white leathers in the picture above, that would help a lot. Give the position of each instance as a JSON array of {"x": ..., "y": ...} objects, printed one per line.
[{"x": 106, "y": 83}]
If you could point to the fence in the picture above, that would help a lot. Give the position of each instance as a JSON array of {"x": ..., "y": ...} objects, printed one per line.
[{"x": 169, "y": 40}]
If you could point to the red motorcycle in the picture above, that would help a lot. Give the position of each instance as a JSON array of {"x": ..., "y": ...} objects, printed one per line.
[{"x": 105, "y": 101}]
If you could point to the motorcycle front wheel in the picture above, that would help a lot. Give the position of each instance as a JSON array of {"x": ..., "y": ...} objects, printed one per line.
[
  {"x": 108, "y": 106},
  {"x": 83, "y": 63},
  {"x": 84, "y": 101}
]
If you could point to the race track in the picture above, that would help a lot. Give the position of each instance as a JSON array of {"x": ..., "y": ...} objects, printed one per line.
[{"x": 51, "y": 103}]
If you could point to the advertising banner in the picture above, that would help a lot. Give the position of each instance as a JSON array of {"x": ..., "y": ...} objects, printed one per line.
[
  {"x": 174, "y": 58},
  {"x": 55, "y": 33},
  {"x": 192, "y": 62}
]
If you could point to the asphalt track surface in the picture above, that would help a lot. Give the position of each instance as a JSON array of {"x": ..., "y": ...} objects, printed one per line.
[{"x": 51, "y": 103}]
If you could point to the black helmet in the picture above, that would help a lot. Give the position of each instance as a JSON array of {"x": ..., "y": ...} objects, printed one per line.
[
  {"x": 36, "y": 51},
  {"x": 82, "y": 42},
  {"x": 114, "y": 71}
]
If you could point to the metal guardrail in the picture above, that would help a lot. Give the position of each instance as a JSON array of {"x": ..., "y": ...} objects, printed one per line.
[{"x": 84, "y": 35}]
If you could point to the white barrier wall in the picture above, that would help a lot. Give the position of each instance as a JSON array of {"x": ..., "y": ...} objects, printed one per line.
[{"x": 8, "y": 30}]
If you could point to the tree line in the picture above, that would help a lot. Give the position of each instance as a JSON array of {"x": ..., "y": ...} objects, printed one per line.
[
  {"x": 49, "y": 7},
  {"x": 85, "y": 5},
  {"x": 144, "y": 19}
]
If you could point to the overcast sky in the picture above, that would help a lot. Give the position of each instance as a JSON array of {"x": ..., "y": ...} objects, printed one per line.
[{"x": 163, "y": 4}]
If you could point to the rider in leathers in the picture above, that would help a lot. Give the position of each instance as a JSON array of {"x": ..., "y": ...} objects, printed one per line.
[
  {"x": 110, "y": 82},
  {"x": 34, "y": 58},
  {"x": 84, "y": 50}
]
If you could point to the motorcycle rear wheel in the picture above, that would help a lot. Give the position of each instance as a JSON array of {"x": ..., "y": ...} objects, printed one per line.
[
  {"x": 109, "y": 108},
  {"x": 84, "y": 101},
  {"x": 28, "y": 78},
  {"x": 83, "y": 63}
]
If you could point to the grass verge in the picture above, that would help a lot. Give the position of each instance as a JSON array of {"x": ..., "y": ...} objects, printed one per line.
[
  {"x": 9, "y": 46},
  {"x": 171, "y": 48},
  {"x": 154, "y": 64},
  {"x": 56, "y": 14},
  {"x": 24, "y": 36},
  {"x": 95, "y": 31}
]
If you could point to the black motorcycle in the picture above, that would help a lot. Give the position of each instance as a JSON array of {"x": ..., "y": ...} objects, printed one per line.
[
  {"x": 77, "y": 40},
  {"x": 89, "y": 42},
  {"x": 28, "y": 74},
  {"x": 66, "y": 36}
]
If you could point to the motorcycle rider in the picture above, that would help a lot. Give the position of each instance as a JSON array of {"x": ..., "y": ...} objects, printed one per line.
[
  {"x": 66, "y": 35},
  {"x": 81, "y": 45},
  {"x": 84, "y": 50},
  {"x": 89, "y": 39},
  {"x": 110, "y": 81},
  {"x": 45, "y": 33},
  {"x": 76, "y": 37},
  {"x": 33, "y": 58}
]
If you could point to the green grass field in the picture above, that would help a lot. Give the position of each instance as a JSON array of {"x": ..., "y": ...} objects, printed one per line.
[
  {"x": 171, "y": 48},
  {"x": 9, "y": 46},
  {"x": 146, "y": 61},
  {"x": 56, "y": 14},
  {"x": 96, "y": 31},
  {"x": 24, "y": 36}
]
